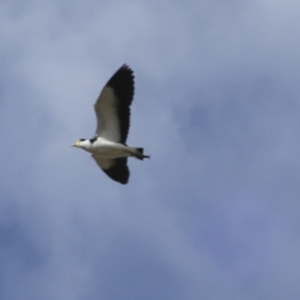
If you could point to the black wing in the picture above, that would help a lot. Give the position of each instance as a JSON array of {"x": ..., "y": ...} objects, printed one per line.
[
  {"x": 116, "y": 169},
  {"x": 113, "y": 106}
]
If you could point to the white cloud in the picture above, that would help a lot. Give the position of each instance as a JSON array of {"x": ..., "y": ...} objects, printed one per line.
[{"x": 213, "y": 213}]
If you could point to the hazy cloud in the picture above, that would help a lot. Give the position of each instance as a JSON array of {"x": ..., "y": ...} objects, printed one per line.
[{"x": 214, "y": 213}]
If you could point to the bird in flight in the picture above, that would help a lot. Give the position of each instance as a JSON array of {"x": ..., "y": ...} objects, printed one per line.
[{"x": 108, "y": 146}]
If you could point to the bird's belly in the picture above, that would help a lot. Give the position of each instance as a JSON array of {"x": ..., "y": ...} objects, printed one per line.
[{"x": 110, "y": 150}]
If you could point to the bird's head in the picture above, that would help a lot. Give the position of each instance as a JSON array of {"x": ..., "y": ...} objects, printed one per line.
[{"x": 79, "y": 143}]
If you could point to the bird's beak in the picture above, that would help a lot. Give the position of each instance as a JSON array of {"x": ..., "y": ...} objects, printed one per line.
[{"x": 76, "y": 144}]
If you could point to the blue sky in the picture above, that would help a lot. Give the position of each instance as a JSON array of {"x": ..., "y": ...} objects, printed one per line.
[{"x": 214, "y": 214}]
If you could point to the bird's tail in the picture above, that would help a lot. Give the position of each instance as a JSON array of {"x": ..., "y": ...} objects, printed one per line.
[{"x": 139, "y": 153}]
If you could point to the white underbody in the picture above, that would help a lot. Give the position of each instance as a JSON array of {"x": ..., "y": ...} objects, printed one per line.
[{"x": 107, "y": 149}]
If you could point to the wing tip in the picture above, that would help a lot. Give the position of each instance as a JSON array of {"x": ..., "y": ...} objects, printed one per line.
[
  {"x": 116, "y": 169},
  {"x": 126, "y": 66}
]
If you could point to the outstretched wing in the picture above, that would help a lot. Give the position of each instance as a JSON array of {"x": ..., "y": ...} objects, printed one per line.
[
  {"x": 113, "y": 106},
  {"x": 116, "y": 169}
]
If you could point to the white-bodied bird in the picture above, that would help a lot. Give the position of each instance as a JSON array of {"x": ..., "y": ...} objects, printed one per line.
[{"x": 108, "y": 146}]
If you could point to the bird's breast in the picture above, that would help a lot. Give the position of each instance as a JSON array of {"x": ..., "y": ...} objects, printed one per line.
[{"x": 108, "y": 149}]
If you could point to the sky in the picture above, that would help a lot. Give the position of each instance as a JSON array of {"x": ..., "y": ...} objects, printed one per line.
[{"x": 214, "y": 214}]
